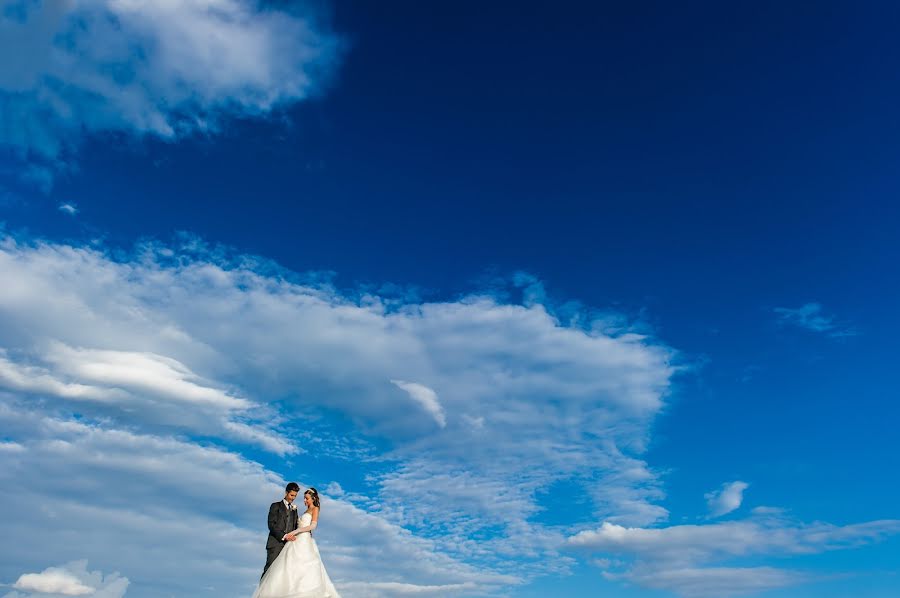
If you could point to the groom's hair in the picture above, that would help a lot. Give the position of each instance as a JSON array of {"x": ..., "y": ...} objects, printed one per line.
[{"x": 292, "y": 487}]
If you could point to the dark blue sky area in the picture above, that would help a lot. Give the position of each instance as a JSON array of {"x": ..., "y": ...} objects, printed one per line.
[
  {"x": 704, "y": 163},
  {"x": 643, "y": 145}
]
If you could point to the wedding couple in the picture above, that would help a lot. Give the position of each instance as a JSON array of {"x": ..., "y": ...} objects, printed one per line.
[{"x": 294, "y": 568}]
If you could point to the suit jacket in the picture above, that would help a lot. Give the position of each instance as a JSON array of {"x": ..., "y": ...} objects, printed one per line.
[{"x": 280, "y": 522}]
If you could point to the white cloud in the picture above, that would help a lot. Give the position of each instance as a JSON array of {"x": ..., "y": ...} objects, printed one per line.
[
  {"x": 714, "y": 582},
  {"x": 158, "y": 68},
  {"x": 53, "y": 581},
  {"x": 677, "y": 558},
  {"x": 425, "y": 397},
  {"x": 11, "y": 447},
  {"x": 156, "y": 387},
  {"x": 27, "y": 378},
  {"x": 146, "y": 373},
  {"x": 334, "y": 489},
  {"x": 726, "y": 499},
  {"x": 186, "y": 342},
  {"x": 72, "y": 579},
  {"x": 179, "y": 518},
  {"x": 811, "y": 316},
  {"x": 68, "y": 208},
  {"x": 763, "y": 510},
  {"x": 702, "y": 543},
  {"x": 363, "y": 590},
  {"x": 242, "y": 351}
]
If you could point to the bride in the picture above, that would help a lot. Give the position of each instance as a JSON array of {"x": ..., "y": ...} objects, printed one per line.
[{"x": 298, "y": 571}]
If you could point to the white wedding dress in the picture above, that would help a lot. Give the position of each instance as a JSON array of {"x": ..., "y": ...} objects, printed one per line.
[{"x": 298, "y": 571}]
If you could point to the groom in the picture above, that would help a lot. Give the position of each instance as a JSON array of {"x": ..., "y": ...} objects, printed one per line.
[{"x": 282, "y": 519}]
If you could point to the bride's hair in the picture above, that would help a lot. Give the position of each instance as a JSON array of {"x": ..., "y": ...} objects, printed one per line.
[{"x": 314, "y": 494}]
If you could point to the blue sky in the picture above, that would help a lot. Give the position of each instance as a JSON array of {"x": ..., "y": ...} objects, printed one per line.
[{"x": 591, "y": 299}]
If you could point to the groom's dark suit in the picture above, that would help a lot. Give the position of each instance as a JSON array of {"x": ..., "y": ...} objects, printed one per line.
[{"x": 281, "y": 521}]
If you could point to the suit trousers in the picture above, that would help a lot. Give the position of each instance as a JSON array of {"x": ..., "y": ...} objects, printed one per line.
[{"x": 271, "y": 555}]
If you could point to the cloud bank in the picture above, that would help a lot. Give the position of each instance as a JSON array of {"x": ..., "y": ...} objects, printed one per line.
[
  {"x": 170, "y": 390},
  {"x": 697, "y": 561}
]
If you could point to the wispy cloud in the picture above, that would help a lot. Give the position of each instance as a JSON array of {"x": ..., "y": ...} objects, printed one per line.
[
  {"x": 712, "y": 582},
  {"x": 425, "y": 397},
  {"x": 149, "y": 68},
  {"x": 691, "y": 559},
  {"x": 68, "y": 208},
  {"x": 159, "y": 389},
  {"x": 726, "y": 499},
  {"x": 363, "y": 589},
  {"x": 749, "y": 372},
  {"x": 811, "y": 316}
]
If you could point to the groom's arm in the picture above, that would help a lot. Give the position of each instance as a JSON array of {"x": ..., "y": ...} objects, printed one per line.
[{"x": 273, "y": 519}]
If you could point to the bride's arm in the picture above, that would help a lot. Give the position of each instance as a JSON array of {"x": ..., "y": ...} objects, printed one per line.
[
  {"x": 288, "y": 536},
  {"x": 312, "y": 524}
]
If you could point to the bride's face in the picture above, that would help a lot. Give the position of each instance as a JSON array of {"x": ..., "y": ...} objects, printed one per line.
[{"x": 307, "y": 500}]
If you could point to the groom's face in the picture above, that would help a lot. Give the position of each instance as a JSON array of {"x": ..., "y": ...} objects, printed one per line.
[{"x": 290, "y": 496}]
